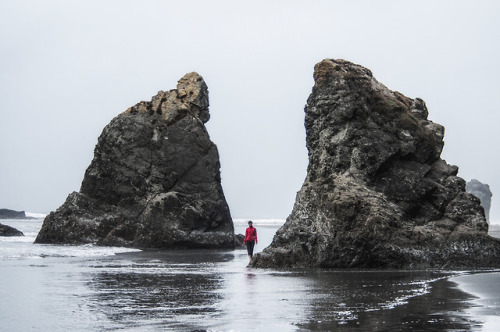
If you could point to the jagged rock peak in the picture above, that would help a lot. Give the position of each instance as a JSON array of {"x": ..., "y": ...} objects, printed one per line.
[
  {"x": 191, "y": 96},
  {"x": 154, "y": 181},
  {"x": 377, "y": 194}
]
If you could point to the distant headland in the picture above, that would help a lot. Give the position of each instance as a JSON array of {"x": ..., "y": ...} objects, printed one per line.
[{"x": 12, "y": 214}]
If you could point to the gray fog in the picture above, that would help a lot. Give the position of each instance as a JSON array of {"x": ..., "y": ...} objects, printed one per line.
[{"x": 68, "y": 67}]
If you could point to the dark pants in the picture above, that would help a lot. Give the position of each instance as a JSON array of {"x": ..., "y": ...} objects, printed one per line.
[{"x": 250, "y": 245}]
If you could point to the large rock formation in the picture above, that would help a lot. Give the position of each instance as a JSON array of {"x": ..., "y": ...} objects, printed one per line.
[
  {"x": 483, "y": 192},
  {"x": 6, "y": 230},
  {"x": 377, "y": 194},
  {"x": 154, "y": 181}
]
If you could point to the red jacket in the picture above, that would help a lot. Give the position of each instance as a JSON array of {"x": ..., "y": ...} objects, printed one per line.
[{"x": 251, "y": 234}]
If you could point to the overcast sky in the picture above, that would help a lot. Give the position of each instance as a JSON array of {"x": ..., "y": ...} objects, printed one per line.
[{"x": 68, "y": 67}]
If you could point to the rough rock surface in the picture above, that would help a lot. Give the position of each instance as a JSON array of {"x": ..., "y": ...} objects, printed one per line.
[
  {"x": 6, "y": 230},
  {"x": 483, "y": 192},
  {"x": 154, "y": 181},
  {"x": 377, "y": 194},
  {"x": 11, "y": 214}
]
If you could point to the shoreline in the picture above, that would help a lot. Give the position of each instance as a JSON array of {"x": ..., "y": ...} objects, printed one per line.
[
  {"x": 313, "y": 300},
  {"x": 464, "y": 300},
  {"x": 484, "y": 304}
]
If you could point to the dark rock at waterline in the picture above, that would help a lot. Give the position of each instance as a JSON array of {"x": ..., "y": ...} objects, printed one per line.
[
  {"x": 11, "y": 214},
  {"x": 6, "y": 230},
  {"x": 483, "y": 192},
  {"x": 239, "y": 240},
  {"x": 154, "y": 181},
  {"x": 377, "y": 194}
]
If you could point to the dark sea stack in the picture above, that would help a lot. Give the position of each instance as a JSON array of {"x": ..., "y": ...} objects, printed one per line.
[
  {"x": 377, "y": 194},
  {"x": 154, "y": 181},
  {"x": 11, "y": 214},
  {"x": 6, "y": 230},
  {"x": 483, "y": 192}
]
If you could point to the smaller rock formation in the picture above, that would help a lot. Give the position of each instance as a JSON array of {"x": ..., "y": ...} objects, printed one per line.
[
  {"x": 483, "y": 192},
  {"x": 154, "y": 181},
  {"x": 377, "y": 194},
  {"x": 11, "y": 214},
  {"x": 6, "y": 230}
]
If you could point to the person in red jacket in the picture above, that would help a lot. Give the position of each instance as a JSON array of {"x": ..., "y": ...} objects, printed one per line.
[{"x": 250, "y": 239}]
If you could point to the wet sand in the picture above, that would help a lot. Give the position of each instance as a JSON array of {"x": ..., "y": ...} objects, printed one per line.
[{"x": 443, "y": 308}]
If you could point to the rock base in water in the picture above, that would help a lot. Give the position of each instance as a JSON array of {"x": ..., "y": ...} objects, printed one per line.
[{"x": 6, "y": 230}]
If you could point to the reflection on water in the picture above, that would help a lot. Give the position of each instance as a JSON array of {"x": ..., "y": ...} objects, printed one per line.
[
  {"x": 199, "y": 290},
  {"x": 159, "y": 289}
]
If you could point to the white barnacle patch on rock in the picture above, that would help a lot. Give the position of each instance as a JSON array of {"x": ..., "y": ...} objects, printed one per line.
[{"x": 155, "y": 135}]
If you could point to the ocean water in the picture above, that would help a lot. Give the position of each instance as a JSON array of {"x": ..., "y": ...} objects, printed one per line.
[{"x": 90, "y": 288}]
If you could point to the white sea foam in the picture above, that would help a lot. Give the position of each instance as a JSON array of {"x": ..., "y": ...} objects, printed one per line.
[
  {"x": 35, "y": 215},
  {"x": 23, "y": 247},
  {"x": 42, "y": 251},
  {"x": 421, "y": 288}
]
